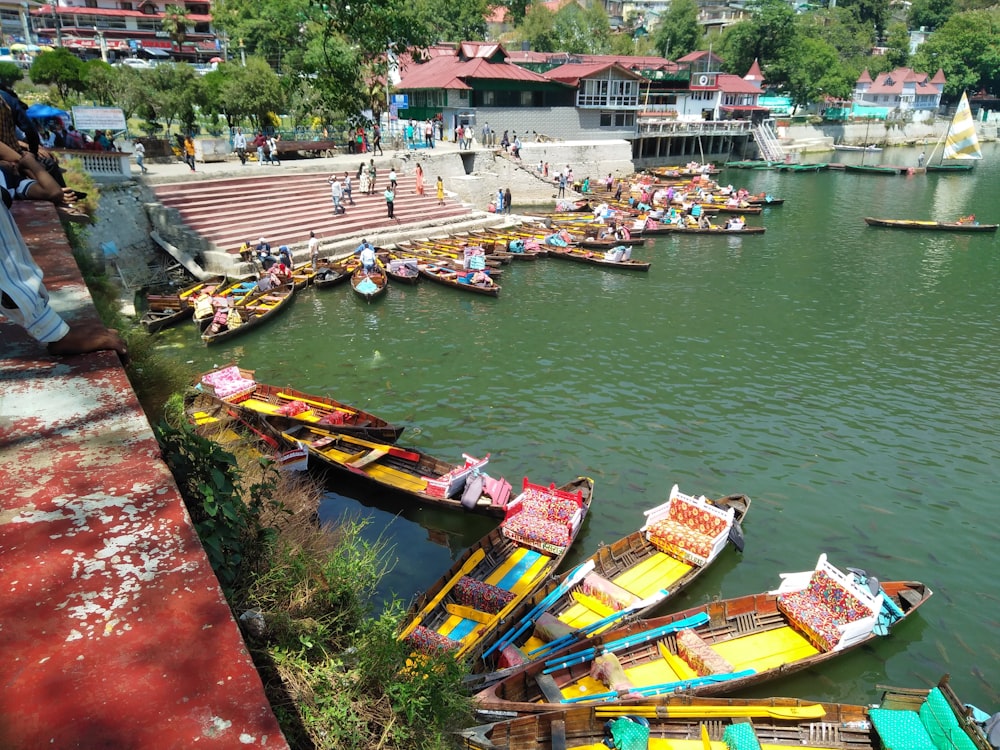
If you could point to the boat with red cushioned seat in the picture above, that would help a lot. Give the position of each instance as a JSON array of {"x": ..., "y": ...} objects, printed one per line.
[
  {"x": 720, "y": 647},
  {"x": 237, "y": 389}
]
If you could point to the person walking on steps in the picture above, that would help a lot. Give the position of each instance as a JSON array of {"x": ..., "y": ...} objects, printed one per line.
[
  {"x": 140, "y": 156},
  {"x": 440, "y": 191},
  {"x": 348, "y": 188},
  {"x": 390, "y": 199},
  {"x": 377, "y": 140}
]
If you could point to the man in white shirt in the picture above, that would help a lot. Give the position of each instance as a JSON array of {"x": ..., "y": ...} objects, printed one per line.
[
  {"x": 337, "y": 194},
  {"x": 240, "y": 145},
  {"x": 140, "y": 156},
  {"x": 367, "y": 256},
  {"x": 314, "y": 250}
]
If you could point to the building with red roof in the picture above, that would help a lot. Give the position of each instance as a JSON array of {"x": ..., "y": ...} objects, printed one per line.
[
  {"x": 126, "y": 29},
  {"x": 902, "y": 89}
]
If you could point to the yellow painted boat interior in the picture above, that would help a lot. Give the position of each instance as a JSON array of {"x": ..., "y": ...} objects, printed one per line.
[
  {"x": 520, "y": 587},
  {"x": 263, "y": 407},
  {"x": 663, "y": 744},
  {"x": 758, "y": 651},
  {"x": 659, "y": 571},
  {"x": 385, "y": 474}
]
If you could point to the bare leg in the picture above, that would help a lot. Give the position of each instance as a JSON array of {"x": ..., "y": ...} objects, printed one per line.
[{"x": 89, "y": 337}]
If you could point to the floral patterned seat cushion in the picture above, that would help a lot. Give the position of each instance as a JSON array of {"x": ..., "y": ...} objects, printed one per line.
[
  {"x": 820, "y": 607},
  {"x": 229, "y": 384},
  {"x": 542, "y": 517},
  {"x": 687, "y": 527},
  {"x": 428, "y": 641},
  {"x": 699, "y": 655},
  {"x": 482, "y": 596}
]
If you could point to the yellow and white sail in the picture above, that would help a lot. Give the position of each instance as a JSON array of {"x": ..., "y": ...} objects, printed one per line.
[{"x": 961, "y": 141}]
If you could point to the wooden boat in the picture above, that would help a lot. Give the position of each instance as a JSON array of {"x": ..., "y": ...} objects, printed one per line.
[
  {"x": 403, "y": 270},
  {"x": 330, "y": 274},
  {"x": 605, "y": 260},
  {"x": 961, "y": 143},
  {"x": 662, "y": 229},
  {"x": 626, "y": 579},
  {"x": 457, "y": 279},
  {"x": 207, "y": 301},
  {"x": 720, "y": 647},
  {"x": 949, "y": 167},
  {"x": 303, "y": 275},
  {"x": 869, "y": 149},
  {"x": 941, "y": 226},
  {"x": 763, "y": 199},
  {"x": 814, "y": 167},
  {"x": 369, "y": 285},
  {"x": 904, "y": 717},
  {"x": 238, "y": 389},
  {"x": 491, "y": 580},
  {"x": 166, "y": 309},
  {"x": 249, "y": 312},
  {"x": 156, "y": 319},
  {"x": 405, "y": 470},
  {"x": 871, "y": 169}
]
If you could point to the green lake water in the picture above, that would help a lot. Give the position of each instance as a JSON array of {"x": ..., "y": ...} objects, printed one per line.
[{"x": 845, "y": 377}]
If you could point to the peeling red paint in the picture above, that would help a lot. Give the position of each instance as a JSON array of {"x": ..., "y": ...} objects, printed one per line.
[{"x": 113, "y": 630}]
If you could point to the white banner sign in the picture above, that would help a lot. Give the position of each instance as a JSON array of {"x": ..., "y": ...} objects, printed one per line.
[{"x": 98, "y": 118}]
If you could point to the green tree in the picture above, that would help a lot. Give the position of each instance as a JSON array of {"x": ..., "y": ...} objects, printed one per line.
[
  {"x": 277, "y": 31},
  {"x": 769, "y": 36},
  {"x": 930, "y": 14},
  {"x": 817, "y": 72},
  {"x": 582, "y": 30},
  {"x": 172, "y": 93},
  {"x": 966, "y": 48},
  {"x": 250, "y": 92},
  {"x": 59, "y": 68},
  {"x": 897, "y": 43},
  {"x": 538, "y": 29},
  {"x": 516, "y": 11},
  {"x": 454, "y": 22},
  {"x": 678, "y": 31},
  {"x": 175, "y": 22},
  {"x": 869, "y": 12},
  {"x": 10, "y": 73}
]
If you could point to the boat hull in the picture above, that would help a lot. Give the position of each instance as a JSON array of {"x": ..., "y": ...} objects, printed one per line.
[{"x": 934, "y": 226}]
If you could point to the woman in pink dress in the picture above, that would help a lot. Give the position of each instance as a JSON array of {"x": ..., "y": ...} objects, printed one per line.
[{"x": 420, "y": 180}]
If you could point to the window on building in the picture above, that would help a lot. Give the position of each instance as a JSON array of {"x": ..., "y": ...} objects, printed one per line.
[
  {"x": 592, "y": 94},
  {"x": 617, "y": 119},
  {"x": 463, "y": 94},
  {"x": 624, "y": 94},
  {"x": 487, "y": 98},
  {"x": 125, "y": 6},
  {"x": 90, "y": 4}
]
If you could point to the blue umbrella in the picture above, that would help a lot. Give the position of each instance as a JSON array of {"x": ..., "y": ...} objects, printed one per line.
[{"x": 42, "y": 111}]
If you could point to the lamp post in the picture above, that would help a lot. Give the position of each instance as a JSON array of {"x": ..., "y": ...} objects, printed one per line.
[
  {"x": 104, "y": 46},
  {"x": 243, "y": 54},
  {"x": 388, "y": 69},
  {"x": 55, "y": 22}
]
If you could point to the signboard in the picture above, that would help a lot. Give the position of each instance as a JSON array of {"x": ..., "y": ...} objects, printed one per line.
[
  {"x": 702, "y": 80},
  {"x": 98, "y": 118},
  {"x": 401, "y": 101}
]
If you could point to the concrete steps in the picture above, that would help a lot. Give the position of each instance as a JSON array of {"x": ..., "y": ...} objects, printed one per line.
[{"x": 284, "y": 209}]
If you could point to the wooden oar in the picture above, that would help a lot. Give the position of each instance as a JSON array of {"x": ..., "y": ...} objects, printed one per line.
[{"x": 788, "y": 713}]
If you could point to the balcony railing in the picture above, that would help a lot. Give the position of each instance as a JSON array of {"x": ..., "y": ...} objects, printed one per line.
[
  {"x": 101, "y": 165},
  {"x": 654, "y": 125}
]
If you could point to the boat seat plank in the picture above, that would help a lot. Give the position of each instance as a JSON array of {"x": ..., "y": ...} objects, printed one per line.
[
  {"x": 373, "y": 455},
  {"x": 765, "y": 650},
  {"x": 659, "y": 571},
  {"x": 547, "y": 684},
  {"x": 558, "y": 733}
]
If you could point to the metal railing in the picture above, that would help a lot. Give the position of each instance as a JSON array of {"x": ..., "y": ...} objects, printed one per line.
[{"x": 652, "y": 126}]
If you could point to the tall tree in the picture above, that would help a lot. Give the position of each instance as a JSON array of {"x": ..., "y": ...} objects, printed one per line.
[
  {"x": 897, "y": 44},
  {"x": 769, "y": 36},
  {"x": 930, "y": 14},
  {"x": 60, "y": 68},
  {"x": 817, "y": 72},
  {"x": 454, "y": 22},
  {"x": 966, "y": 49},
  {"x": 678, "y": 31},
  {"x": 175, "y": 22},
  {"x": 870, "y": 12},
  {"x": 538, "y": 29},
  {"x": 582, "y": 30}
]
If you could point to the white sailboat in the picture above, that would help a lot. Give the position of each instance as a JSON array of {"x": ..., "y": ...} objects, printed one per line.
[{"x": 961, "y": 144}]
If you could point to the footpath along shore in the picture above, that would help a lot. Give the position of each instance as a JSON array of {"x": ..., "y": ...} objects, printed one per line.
[{"x": 115, "y": 631}]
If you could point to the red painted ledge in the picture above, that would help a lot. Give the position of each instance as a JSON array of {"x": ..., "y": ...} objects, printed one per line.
[{"x": 114, "y": 632}]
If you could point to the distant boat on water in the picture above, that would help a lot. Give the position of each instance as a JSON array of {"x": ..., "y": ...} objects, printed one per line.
[
  {"x": 870, "y": 149},
  {"x": 961, "y": 144}
]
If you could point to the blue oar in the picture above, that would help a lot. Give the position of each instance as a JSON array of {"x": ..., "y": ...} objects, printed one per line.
[
  {"x": 575, "y": 576},
  {"x": 588, "y": 630},
  {"x": 594, "y": 697},
  {"x": 673, "y": 687},
  {"x": 588, "y": 654}
]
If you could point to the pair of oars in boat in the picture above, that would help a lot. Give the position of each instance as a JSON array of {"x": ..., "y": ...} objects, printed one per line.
[{"x": 787, "y": 713}]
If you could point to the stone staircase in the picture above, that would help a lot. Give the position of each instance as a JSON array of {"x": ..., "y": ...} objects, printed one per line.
[{"x": 284, "y": 208}]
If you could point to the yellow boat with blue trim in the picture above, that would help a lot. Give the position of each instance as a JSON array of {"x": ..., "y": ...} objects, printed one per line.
[
  {"x": 717, "y": 648},
  {"x": 626, "y": 579},
  {"x": 492, "y": 580},
  {"x": 934, "y": 719}
]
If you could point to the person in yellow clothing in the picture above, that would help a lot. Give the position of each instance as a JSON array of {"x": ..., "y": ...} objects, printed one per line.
[
  {"x": 189, "y": 151},
  {"x": 440, "y": 191}
]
